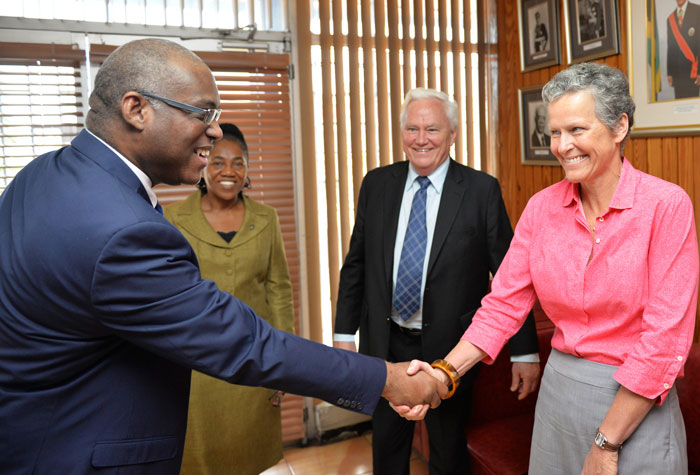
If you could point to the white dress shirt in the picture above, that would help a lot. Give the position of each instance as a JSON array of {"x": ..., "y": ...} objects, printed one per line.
[
  {"x": 680, "y": 11},
  {"x": 432, "y": 204}
]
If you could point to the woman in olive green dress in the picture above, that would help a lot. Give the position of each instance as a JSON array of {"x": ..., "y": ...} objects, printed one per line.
[{"x": 234, "y": 429}]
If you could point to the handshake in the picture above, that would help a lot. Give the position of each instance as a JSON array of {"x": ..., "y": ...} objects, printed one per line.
[{"x": 413, "y": 388}]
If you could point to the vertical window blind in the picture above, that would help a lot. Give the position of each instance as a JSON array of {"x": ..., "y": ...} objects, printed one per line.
[
  {"x": 254, "y": 92},
  {"x": 365, "y": 56}
]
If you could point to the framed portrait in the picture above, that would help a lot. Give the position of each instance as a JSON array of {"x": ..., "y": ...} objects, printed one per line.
[
  {"x": 538, "y": 24},
  {"x": 534, "y": 133},
  {"x": 665, "y": 92},
  {"x": 592, "y": 29}
]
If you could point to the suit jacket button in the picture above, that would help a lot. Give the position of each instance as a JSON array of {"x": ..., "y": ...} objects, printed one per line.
[
  {"x": 340, "y": 401},
  {"x": 353, "y": 404},
  {"x": 346, "y": 403},
  {"x": 359, "y": 406}
]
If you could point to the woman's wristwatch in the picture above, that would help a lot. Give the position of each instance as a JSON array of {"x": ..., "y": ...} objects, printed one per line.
[{"x": 602, "y": 442}]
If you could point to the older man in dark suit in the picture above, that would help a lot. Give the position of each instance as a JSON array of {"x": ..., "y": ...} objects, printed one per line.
[
  {"x": 427, "y": 234},
  {"x": 103, "y": 311}
]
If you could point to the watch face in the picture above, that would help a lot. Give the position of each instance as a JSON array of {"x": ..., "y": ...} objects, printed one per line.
[{"x": 600, "y": 440}]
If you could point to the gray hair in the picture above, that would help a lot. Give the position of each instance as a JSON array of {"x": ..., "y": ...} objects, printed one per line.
[
  {"x": 450, "y": 106},
  {"x": 608, "y": 85}
]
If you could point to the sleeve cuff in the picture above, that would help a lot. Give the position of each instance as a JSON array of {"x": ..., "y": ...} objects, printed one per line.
[
  {"x": 343, "y": 337},
  {"x": 530, "y": 358},
  {"x": 650, "y": 386}
]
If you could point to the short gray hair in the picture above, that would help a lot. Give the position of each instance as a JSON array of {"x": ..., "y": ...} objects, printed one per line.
[
  {"x": 450, "y": 106},
  {"x": 609, "y": 86}
]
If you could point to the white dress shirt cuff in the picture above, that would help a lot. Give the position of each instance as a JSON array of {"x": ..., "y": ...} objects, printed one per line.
[
  {"x": 531, "y": 358},
  {"x": 344, "y": 337}
]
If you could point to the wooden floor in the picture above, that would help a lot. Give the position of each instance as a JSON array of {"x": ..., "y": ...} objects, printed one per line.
[{"x": 347, "y": 457}]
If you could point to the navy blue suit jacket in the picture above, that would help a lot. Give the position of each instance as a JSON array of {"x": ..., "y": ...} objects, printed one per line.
[{"x": 102, "y": 314}]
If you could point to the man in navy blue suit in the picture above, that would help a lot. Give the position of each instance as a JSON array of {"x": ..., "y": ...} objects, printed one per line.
[{"x": 102, "y": 308}]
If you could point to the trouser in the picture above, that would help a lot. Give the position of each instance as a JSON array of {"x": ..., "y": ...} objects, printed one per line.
[{"x": 392, "y": 435}]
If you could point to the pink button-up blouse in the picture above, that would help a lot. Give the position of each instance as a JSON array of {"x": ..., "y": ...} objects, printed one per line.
[{"x": 632, "y": 305}]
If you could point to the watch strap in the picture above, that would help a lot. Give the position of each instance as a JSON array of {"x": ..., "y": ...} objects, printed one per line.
[{"x": 602, "y": 442}]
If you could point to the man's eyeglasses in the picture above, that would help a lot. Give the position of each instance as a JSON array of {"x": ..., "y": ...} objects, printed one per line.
[{"x": 208, "y": 115}]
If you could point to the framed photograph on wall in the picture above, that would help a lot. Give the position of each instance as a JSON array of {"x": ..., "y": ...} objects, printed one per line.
[
  {"x": 538, "y": 24},
  {"x": 665, "y": 93},
  {"x": 534, "y": 133},
  {"x": 592, "y": 29}
]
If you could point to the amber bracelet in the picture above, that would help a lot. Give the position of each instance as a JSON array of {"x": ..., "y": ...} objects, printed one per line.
[{"x": 451, "y": 373}]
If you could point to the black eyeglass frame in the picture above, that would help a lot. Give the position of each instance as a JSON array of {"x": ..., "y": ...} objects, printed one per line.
[{"x": 208, "y": 115}]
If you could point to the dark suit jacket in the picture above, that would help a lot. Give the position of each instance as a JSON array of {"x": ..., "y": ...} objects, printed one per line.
[
  {"x": 677, "y": 64},
  {"x": 471, "y": 237},
  {"x": 536, "y": 141},
  {"x": 102, "y": 314}
]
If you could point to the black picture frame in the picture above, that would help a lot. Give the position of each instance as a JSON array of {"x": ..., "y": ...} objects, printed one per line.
[
  {"x": 538, "y": 26},
  {"x": 534, "y": 146},
  {"x": 592, "y": 29}
]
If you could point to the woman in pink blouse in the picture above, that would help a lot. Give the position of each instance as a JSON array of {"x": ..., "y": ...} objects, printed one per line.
[{"x": 611, "y": 253}]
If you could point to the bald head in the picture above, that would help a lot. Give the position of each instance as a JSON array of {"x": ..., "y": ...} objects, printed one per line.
[{"x": 150, "y": 65}]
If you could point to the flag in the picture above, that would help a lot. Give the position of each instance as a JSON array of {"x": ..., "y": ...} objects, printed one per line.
[{"x": 652, "y": 32}]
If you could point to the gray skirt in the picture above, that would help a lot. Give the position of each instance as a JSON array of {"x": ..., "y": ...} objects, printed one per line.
[{"x": 573, "y": 400}]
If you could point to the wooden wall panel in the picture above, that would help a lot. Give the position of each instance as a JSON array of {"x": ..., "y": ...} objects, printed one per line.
[{"x": 671, "y": 158}]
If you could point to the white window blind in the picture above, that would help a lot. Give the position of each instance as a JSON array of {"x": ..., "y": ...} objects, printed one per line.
[
  {"x": 41, "y": 107},
  {"x": 268, "y": 15}
]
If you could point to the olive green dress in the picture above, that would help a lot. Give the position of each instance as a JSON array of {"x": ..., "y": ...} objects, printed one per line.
[{"x": 236, "y": 429}]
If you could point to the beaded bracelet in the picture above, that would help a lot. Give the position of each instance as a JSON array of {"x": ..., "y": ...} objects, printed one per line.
[{"x": 451, "y": 373}]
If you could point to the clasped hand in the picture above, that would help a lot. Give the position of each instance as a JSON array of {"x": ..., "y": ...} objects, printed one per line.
[
  {"x": 416, "y": 412},
  {"x": 525, "y": 379},
  {"x": 413, "y": 388},
  {"x": 407, "y": 386}
]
